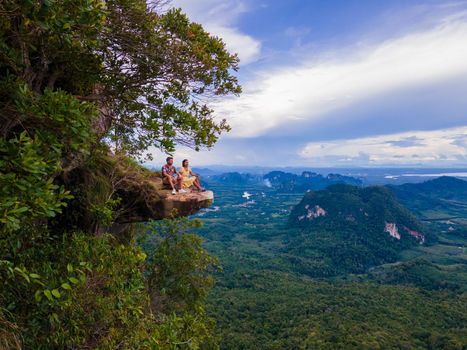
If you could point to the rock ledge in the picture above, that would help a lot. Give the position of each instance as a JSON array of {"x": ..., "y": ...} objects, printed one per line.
[{"x": 186, "y": 203}]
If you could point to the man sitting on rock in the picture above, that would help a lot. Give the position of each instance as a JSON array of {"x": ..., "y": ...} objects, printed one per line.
[{"x": 171, "y": 177}]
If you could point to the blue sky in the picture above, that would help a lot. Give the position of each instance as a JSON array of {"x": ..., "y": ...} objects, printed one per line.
[{"x": 340, "y": 83}]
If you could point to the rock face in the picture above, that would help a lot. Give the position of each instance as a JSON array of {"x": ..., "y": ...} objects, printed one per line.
[
  {"x": 168, "y": 206},
  {"x": 313, "y": 213},
  {"x": 391, "y": 228},
  {"x": 419, "y": 236},
  {"x": 132, "y": 193},
  {"x": 184, "y": 204}
]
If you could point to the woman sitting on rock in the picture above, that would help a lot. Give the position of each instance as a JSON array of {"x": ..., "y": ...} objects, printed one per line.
[{"x": 189, "y": 178}]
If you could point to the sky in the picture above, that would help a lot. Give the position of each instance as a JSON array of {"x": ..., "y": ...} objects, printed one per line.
[{"x": 328, "y": 83}]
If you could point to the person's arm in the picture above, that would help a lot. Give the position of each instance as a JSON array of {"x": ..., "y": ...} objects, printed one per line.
[{"x": 193, "y": 174}]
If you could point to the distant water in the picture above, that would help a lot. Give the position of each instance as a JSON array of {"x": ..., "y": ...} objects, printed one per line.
[{"x": 427, "y": 175}]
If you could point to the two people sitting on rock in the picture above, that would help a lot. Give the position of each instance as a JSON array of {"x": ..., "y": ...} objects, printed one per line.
[{"x": 182, "y": 179}]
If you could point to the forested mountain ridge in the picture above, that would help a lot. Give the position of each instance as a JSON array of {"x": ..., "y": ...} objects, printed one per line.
[
  {"x": 361, "y": 207},
  {"x": 448, "y": 193},
  {"x": 86, "y": 87},
  {"x": 349, "y": 229},
  {"x": 443, "y": 186},
  {"x": 284, "y": 181},
  {"x": 235, "y": 178},
  {"x": 287, "y": 182}
]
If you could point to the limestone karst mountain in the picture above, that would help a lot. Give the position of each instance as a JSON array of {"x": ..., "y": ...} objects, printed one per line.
[{"x": 349, "y": 229}]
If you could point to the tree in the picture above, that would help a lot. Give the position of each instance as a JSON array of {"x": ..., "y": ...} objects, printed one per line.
[
  {"x": 85, "y": 87},
  {"x": 76, "y": 75},
  {"x": 147, "y": 70}
]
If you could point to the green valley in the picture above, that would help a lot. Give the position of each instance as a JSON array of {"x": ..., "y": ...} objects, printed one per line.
[{"x": 333, "y": 280}]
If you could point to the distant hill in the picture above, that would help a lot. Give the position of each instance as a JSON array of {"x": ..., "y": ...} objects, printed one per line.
[
  {"x": 205, "y": 171},
  {"x": 235, "y": 178},
  {"x": 288, "y": 182},
  {"x": 283, "y": 181},
  {"x": 442, "y": 198},
  {"x": 444, "y": 187},
  {"x": 349, "y": 229}
]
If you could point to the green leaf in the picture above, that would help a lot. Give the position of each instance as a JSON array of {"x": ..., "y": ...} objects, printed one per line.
[
  {"x": 26, "y": 277},
  {"x": 69, "y": 267},
  {"x": 56, "y": 293},
  {"x": 66, "y": 286},
  {"x": 73, "y": 280},
  {"x": 34, "y": 275},
  {"x": 38, "y": 295},
  {"x": 48, "y": 294},
  {"x": 21, "y": 210}
]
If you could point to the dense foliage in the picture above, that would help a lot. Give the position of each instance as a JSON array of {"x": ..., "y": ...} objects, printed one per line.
[
  {"x": 85, "y": 88},
  {"x": 270, "y": 310},
  {"x": 75, "y": 290},
  {"x": 350, "y": 236}
]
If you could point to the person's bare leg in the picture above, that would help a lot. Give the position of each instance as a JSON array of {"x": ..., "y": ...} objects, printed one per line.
[
  {"x": 197, "y": 185},
  {"x": 170, "y": 180},
  {"x": 179, "y": 182}
]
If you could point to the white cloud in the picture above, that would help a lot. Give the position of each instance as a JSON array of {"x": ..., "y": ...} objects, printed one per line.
[
  {"x": 310, "y": 90},
  {"x": 219, "y": 18},
  {"x": 440, "y": 147},
  {"x": 247, "y": 48}
]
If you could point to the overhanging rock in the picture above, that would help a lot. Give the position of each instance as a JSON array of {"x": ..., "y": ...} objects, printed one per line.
[
  {"x": 149, "y": 200},
  {"x": 184, "y": 204}
]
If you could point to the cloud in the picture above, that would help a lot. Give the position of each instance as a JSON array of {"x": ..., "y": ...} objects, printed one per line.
[
  {"x": 406, "y": 142},
  {"x": 247, "y": 48},
  {"x": 406, "y": 73},
  {"x": 219, "y": 18},
  {"x": 440, "y": 147},
  {"x": 334, "y": 81}
]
